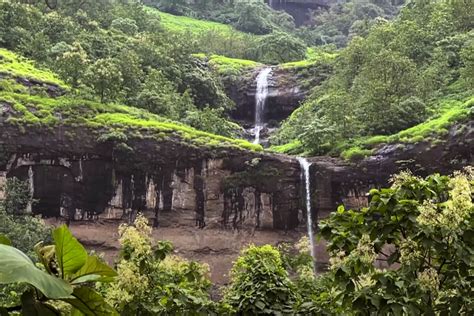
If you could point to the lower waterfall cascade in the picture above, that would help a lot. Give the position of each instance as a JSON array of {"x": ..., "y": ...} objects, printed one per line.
[{"x": 305, "y": 165}]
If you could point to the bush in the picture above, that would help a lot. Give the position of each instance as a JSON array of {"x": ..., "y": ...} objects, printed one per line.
[
  {"x": 279, "y": 47},
  {"x": 17, "y": 197},
  {"x": 153, "y": 282},
  {"x": 421, "y": 231},
  {"x": 260, "y": 283}
]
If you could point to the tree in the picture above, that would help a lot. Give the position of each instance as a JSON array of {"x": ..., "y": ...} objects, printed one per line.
[
  {"x": 382, "y": 84},
  {"x": 279, "y": 47},
  {"x": 125, "y": 25},
  {"x": 252, "y": 17},
  {"x": 260, "y": 283},
  {"x": 72, "y": 64},
  {"x": 159, "y": 95},
  {"x": 422, "y": 231},
  {"x": 212, "y": 121},
  {"x": 467, "y": 56},
  {"x": 105, "y": 77}
]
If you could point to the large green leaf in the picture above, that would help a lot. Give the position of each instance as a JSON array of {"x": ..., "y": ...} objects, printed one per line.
[
  {"x": 93, "y": 270},
  {"x": 70, "y": 254},
  {"x": 16, "y": 267},
  {"x": 89, "y": 302}
]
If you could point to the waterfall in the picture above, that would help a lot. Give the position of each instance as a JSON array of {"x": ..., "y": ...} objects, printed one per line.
[
  {"x": 305, "y": 164},
  {"x": 31, "y": 188},
  {"x": 260, "y": 100}
]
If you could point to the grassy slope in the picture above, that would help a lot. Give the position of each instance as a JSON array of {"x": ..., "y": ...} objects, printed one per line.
[
  {"x": 49, "y": 112},
  {"x": 313, "y": 56},
  {"x": 451, "y": 112},
  {"x": 15, "y": 66},
  {"x": 185, "y": 24}
]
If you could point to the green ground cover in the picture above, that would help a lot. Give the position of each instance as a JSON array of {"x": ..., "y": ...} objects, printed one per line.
[
  {"x": 48, "y": 112},
  {"x": 15, "y": 66},
  {"x": 186, "y": 24}
]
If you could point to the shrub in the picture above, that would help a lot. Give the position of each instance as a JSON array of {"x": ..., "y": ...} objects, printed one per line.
[
  {"x": 422, "y": 231},
  {"x": 153, "y": 282},
  {"x": 260, "y": 283}
]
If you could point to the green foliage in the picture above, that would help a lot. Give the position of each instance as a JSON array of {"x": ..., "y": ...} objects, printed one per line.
[
  {"x": 231, "y": 66},
  {"x": 69, "y": 284},
  {"x": 159, "y": 95},
  {"x": 17, "y": 197},
  {"x": 345, "y": 20},
  {"x": 17, "y": 67},
  {"x": 451, "y": 112},
  {"x": 422, "y": 230},
  {"x": 71, "y": 62},
  {"x": 151, "y": 281},
  {"x": 248, "y": 16},
  {"x": 260, "y": 284},
  {"x": 16, "y": 267},
  {"x": 105, "y": 77},
  {"x": 212, "y": 121},
  {"x": 111, "y": 117},
  {"x": 467, "y": 71},
  {"x": 356, "y": 153},
  {"x": 24, "y": 231},
  {"x": 393, "y": 81},
  {"x": 112, "y": 55},
  {"x": 279, "y": 47}
]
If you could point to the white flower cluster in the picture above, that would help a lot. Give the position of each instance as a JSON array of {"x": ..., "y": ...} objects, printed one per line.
[
  {"x": 409, "y": 252},
  {"x": 429, "y": 280},
  {"x": 364, "y": 252},
  {"x": 451, "y": 214},
  {"x": 137, "y": 238},
  {"x": 303, "y": 245},
  {"x": 364, "y": 281}
]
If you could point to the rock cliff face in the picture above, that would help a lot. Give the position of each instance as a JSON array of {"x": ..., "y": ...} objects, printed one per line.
[
  {"x": 251, "y": 190},
  {"x": 75, "y": 175},
  {"x": 287, "y": 88},
  {"x": 76, "y": 172},
  {"x": 179, "y": 185}
]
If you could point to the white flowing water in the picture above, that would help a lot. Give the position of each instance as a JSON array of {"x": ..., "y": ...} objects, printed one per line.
[
  {"x": 260, "y": 100},
  {"x": 31, "y": 188},
  {"x": 305, "y": 164}
]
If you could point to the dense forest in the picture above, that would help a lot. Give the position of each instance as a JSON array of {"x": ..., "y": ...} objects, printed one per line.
[{"x": 377, "y": 73}]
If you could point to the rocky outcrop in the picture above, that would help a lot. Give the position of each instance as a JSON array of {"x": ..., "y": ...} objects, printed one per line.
[
  {"x": 339, "y": 182},
  {"x": 288, "y": 87}
]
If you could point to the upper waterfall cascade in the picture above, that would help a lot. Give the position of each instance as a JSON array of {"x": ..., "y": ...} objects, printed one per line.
[
  {"x": 305, "y": 165},
  {"x": 260, "y": 100}
]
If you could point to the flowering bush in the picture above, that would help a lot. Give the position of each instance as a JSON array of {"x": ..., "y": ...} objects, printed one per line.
[
  {"x": 260, "y": 284},
  {"x": 151, "y": 281},
  {"x": 422, "y": 231}
]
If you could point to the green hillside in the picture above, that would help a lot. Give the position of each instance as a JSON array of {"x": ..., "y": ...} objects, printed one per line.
[
  {"x": 41, "y": 111},
  {"x": 184, "y": 24}
]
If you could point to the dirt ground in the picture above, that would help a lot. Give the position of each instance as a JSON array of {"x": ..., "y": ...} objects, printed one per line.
[{"x": 217, "y": 248}]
